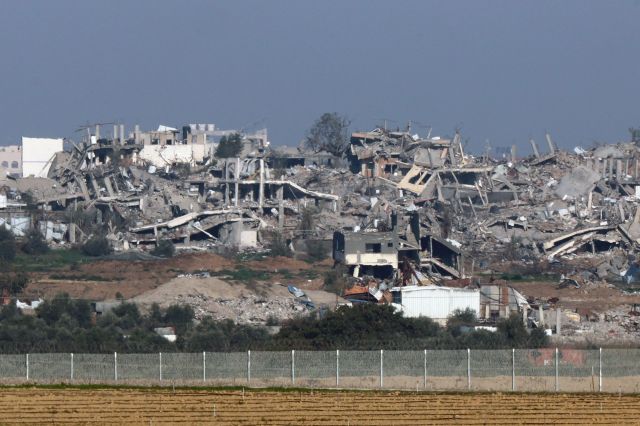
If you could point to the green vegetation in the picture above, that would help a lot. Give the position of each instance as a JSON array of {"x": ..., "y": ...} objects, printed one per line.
[
  {"x": 53, "y": 259},
  {"x": 368, "y": 327},
  {"x": 66, "y": 325},
  {"x": 329, "y": 133},
  {"x": 165, "y": 248},
  {"x": 277, "y": 244},
  {"x": 244, "y": 274},
  {"x": 35, "y": 243},
  {"x": 97, "y": 246},
  {"x": 7, "y": 245},
  {"x": 229, "y": 146}
]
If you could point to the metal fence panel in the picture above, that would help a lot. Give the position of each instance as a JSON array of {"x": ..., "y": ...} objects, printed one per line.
[
  {"x": 447, "y": 370},
  {"x": 13, "y": 367},
  {"x": 360, "y": 369},
  {"x": 621, "y": 370},
  {"x": 578, "y": 370},
  {"x": 404, "y": 369},
  {"x": 226, "y": 367},
  {"x": 270, "y": 368},
  {"x": 182, "y": 366},
  {"x": 315, "y": 368},
  {"x": 93, "y": 368},
  {"x": 138, "y": 367},
  {"x": 491, "y": 370},
  {"x": 50, "y": 367},
  {"x": 535, "y": 370}
]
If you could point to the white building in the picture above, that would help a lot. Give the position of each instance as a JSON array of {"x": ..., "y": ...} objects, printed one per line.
[
  {"x": 437, "y": 303},
  {"x": 37, "y": 155}
]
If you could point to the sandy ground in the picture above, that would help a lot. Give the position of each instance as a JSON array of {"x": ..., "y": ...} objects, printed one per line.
[
  {"x": 242, "y": 302},
  {"x": 249, "y": 407}
]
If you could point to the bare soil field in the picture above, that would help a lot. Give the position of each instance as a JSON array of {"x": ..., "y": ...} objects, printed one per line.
[
  {"x": 250, "y": 407},
  {"x": 103, "y": 279}
]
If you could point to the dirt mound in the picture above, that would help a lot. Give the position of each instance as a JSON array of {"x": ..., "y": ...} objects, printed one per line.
[{"x": 245, "y": 303}]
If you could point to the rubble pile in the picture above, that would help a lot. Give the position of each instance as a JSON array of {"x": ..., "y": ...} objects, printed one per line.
[{"x": 399, "y": 208}]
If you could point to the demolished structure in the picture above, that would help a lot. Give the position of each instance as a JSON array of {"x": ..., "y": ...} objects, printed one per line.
[{"x": 404, "y": 211}]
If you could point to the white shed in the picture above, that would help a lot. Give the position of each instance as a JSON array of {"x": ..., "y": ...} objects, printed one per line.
[{"x": 437, "y": 303}]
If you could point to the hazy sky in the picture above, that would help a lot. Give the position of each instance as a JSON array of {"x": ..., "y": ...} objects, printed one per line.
[{"x": 504, "y": 71}]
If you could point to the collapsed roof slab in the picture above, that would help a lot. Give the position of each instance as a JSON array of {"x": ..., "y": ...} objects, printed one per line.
[{"x": 184, "y": 219}]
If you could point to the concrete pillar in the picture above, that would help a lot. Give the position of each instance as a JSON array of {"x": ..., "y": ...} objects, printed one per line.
[
  {"x": 94, "y": 185},
  {"x": 136, "y": 133},
  {"x": 552, "y": 148},
  {"x": 237, "y": 178},
  {"x": 541, "y": 312},
  {"x": 558, "y": 322},
  {"x": 261, "y": 188},
  {"x": 115, "y": 132},
  {"x": 280, "y": 194},
  {"x": 122, "y": 134},
  {"x": 226, "y": 185},
  {"x": 610, "y": 176},
  {"x": 107, "y": 184},
  {"x": 513, "y": 153},
  {"x": 534, "y": 146},
  {"x": 97, "y": 131},
  {"x": 525, "y": 315},
  {"x": 187, "y": 238},
  {"x": 619, "y": 171},
  {"x": 72, "y": 233}
]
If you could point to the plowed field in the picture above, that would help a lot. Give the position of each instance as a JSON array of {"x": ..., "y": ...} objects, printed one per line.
[{"x": 155, "y": 406}]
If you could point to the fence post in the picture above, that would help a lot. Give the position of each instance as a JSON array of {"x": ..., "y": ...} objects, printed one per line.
[
  {"x": 513, "y": 369},
  {"x": 248, "y": 366},
  {"x": 293, "y": 366},
  {"x": 381, "y": 368},
  {"x": 557, "y": 384},
  {"x": 337, "y": 367},
  {"x": 600, "y": 371},
  {"x": 71, "y": 376},
  {"x": 27, "y": 361},
  {"x": 425, "y": 368},
  {"x": 160, "y": 364},
  {"x": 115, "y": 366},
  {"x": 468, "y": 369},
  {"x": 204, "y": 366}
]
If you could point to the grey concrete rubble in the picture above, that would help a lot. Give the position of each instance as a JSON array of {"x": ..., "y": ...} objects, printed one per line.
[{"x": 399, "y": 208}]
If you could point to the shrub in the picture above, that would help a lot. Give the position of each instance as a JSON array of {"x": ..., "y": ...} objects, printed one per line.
[
  {"x": 277, "y": 244},
  {"x": 35, "y": 243},
  {"x": 7, "y": 245},
  {"x": 229, "y": 147},
  {"x": 165, "y": 248},
  {"x": 97, "y": 246},
  {"x": 316, "y": 250}
]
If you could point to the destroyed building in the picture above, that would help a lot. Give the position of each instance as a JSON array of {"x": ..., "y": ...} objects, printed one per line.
[{"x": 399, "y": 209}]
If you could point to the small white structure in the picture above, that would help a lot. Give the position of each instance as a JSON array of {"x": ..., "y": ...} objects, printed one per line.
[
  {"x": 37, "y": 155},
  {"x": 169, "y": 333},
  {"x": 437, "y": 303}
]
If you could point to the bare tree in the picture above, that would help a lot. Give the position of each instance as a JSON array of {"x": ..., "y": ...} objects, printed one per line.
[{"x": 329, "y": 133}]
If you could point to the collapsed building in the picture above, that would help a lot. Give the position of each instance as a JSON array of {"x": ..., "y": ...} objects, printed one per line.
[{"x": 399, "y": 209}]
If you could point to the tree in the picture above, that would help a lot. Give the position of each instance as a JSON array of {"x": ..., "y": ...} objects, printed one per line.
[
  {"x": 97, "y": 246},
  {"x": 230, "y": 146},
  {"x": 7, "y": 245},
  {"x": 35, "y": 243},
  {"x": 165, "y": 248},
  {"x": 329, "y": 133},
  {"x": 13, "y": 281}
]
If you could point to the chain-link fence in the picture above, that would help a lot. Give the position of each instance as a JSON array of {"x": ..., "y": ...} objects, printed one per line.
[{"x": 548, "y": 369}]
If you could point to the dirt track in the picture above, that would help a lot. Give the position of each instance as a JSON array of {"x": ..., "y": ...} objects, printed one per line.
[{"x": 154, "y": 406}]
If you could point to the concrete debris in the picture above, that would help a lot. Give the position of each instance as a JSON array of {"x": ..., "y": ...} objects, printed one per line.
[{"x": 399, "y": 209}]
